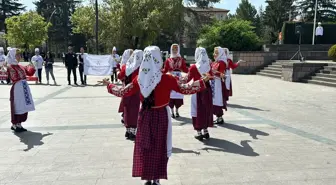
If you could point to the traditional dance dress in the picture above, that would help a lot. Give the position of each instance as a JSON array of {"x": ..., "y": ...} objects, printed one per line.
[
  {"x": 131, "y": 104},
  {"x": 201, "y": 102},
  {"x": 21, "y": 100},
  {"x": 153, "y": 145},
  {"x": 175, "y": 65},
  {"x": 126, "y": 55},
  {"x": 219, "y": 93},
  {"x": 229, "y": 65}
]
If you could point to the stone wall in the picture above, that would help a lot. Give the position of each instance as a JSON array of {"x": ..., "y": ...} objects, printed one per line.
[
  {"x": 297, "y": 71},
  {"x": 308, "y": 55},
  {"x": 254, "y": 61}
]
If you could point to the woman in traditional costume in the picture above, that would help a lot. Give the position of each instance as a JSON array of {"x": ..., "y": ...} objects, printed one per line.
[
  {"x": 124, "y": 58},
  {"x": 153, "y": 145},
  {"x": 3, "y": 72},
  {"x": 229, "y": 65},
  {"x": 219, "y": 93},
  {"x": 131, "y": 104},
  {"x": 21, "y": 100},
  {"x": 201, "y": 102},
  {"x": 175, "y": 65}
]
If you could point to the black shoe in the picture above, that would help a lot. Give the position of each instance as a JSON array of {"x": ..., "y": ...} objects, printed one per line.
[
  {"x": 127, "y": 134},
  {"x": 122, "y": 121},
  {"x": 155, "y": 183},
  {"x": 17, "y": 129},
  {"x": 206, "y": 136},
  {"x": 69, "y": 83},
  {"x": 131, "y": 136},
  {"x": 76, "y": 84},
  {"x": 173, "y": 115},
  {"x": 23, "y": 129},
  {"x": 177, "y": 115},
  {"x": 219, "y": 121},
  {"x": 199, "y": 137},
  {"x": 148, "y": 183}
]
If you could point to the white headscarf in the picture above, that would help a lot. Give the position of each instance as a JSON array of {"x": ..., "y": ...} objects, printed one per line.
[
  {"x": 150, "y": 70},
  {"x": 221, "y": 55},
  {"x": 134, "y": 62},
  {"x": 172, "y": 55},
  {"x": 11, "y": 57},
  {"x": 202, "y": 60},
  {"x": 114, "y": 48},
  {"x": 37, "y": 50},
  {"x": 126, "y": 55},
  {"x": 227, "y": 53}
]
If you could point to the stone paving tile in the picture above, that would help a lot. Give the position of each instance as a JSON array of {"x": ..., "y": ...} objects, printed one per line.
[{"x": 83, "y": 143}]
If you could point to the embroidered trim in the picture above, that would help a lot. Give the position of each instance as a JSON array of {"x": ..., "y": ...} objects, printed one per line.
[
  {"x": 120, "y": 92},
  {"x": 190, "y": 88},
  {"x": 26, "y": 93}
]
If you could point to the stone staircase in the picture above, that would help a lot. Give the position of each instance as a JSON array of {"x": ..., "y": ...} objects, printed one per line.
[
  {"x": 326, "y": 76},
  {"x": 273, "y": 70}
]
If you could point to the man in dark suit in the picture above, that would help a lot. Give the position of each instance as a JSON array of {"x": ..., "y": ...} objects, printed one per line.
[{"x": 71, "y": 64}]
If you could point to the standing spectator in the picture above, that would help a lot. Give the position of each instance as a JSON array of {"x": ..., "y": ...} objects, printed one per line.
[
  {"x": 49, "y": 61},
  {"x": 38, "y": 63},
  {"x": 319, "y": 33},
  {"x": 81, "y": 66},
  {"x": 25, "y": 55},
  {"x": 116, "y": 59},
  {"x": 71, "y": 64},
  {"x": 3, "y": 72}
]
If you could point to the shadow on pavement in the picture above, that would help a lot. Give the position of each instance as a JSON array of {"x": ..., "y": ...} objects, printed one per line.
[
  {"x": 184, "y": 120},
  {"x": 31, "y": 139},
  {"x": 253, "y": 132},
  {"x": 244, "y": 107},
  {"x": 221, "y": 145},
  {"x": 181, "y": 151}
]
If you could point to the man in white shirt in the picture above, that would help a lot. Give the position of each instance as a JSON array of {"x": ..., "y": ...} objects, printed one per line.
[
  {"x": 37, "y": 60},
  {"x": 319, "y": 33},
  {"x": 116, "y": 60}
]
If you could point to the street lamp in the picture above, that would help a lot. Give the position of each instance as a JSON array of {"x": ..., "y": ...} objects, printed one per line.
[
  {"x": 48, "y": 41},
  {"x": 97, "y": 42},
  {"x": 314, "y": 29}
]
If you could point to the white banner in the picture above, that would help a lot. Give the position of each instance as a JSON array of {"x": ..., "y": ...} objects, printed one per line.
[{"x": 98, "y": 65}]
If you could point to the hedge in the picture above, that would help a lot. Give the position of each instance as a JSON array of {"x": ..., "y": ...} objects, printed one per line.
[
  {"x": 289, "y": 36},
  {"x": 332, "y": 53}
]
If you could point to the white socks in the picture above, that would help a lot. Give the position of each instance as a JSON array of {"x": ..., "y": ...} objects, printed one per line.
[{"x": 205, "y": 131}]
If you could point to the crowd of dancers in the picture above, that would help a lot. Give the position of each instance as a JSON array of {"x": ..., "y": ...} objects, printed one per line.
[{"x": 151, "y": 90}]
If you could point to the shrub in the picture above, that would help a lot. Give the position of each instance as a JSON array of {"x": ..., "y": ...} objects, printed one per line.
[{"x": 332, "y": 53}]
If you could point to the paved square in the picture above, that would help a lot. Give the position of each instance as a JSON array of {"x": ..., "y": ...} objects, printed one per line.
[{"x": 276, "y": 133}]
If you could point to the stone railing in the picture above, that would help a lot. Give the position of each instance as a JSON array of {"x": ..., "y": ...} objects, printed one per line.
[
  {"x": 254, "y": 61},
  {"x": 297, "y": 71}
]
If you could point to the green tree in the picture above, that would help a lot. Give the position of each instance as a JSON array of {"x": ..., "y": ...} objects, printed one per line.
[
  {"x": 246, "y": 11},
  {"x": 202, "y": 3},
  {"x": 27, "y": 30},
  {"x": 235, "y": 34},
  {"x": 58, "y": 12},
  {"x": 276, "y": 12},
  {"x": 326, "y": 10}
]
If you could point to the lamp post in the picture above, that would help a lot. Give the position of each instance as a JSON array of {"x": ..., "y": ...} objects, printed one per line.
[
  {"x": 314, "y": 29},
  {"x": 48, "y": 41},
  {"x": 97, "y": 42}
]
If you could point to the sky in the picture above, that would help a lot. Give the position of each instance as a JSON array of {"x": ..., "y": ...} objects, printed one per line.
[{"x": 225, "y": 4}]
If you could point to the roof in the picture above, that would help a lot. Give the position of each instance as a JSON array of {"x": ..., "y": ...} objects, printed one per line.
[{"x": 211, "y": 9}]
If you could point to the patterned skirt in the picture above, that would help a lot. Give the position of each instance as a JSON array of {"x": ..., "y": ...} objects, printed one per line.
[
  {"x": 131, "y": 110},
  {"x": 150, "y": 157}
]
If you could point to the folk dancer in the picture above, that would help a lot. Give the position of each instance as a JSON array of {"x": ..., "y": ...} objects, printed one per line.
[
  {"x": 131, "y": 103},
  {"x": 71, "y": 63},
  {"x": 153, "y": 145},
  {"x": 38, "y": 63},
  {"x": 201, "y": 102},
  {"x": 21, "y": 100},
  {"x": 175, "y": 65},
  {"x": 49, "y": 68},
  {"x": 81, "y": 66},
  {"x": 124, "y": 58},
  {"x": 3, "y": 72},
  {"x": 229, "y": 65},
  {"x": 219, "y": 95},
  {"x": 116, "y": 60}
]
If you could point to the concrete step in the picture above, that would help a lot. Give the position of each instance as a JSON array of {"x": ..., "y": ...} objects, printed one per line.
[
  {"x": 326, "y": 75},
  {"x": 274, "y": 68},
  {"x": 324, "y": 71},
  {"x": 279, "y": 66},
  {"x": 330, "y": 68},
  {"x": 325, "y": 79},
  {"x": 269, "y": 75},
  {"x": 276, "y": 72},
  {"x": 318, "y": 82}
]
